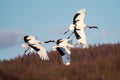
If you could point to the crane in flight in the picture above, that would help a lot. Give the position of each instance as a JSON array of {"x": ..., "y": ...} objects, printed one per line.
[
  {"x": 32, "y": 44},
  {"x": 63, "y": 47},
  {"x": 78, "y": 27}
]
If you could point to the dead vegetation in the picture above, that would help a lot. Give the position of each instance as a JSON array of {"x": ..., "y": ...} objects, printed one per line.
[{"x": 94, "y": 63}]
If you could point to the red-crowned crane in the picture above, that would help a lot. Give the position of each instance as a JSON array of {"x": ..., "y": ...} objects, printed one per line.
[
  {"x": 63, "y": 47},
  {"x": 78, "y": 27},
  {"x": 32, "y": 44}
]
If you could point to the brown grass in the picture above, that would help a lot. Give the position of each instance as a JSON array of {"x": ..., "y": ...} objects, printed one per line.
[{"x": 94, "y": 63}]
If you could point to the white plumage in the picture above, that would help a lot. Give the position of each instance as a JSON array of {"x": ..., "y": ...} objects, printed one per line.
[
  {"x": 35, "y": 45},
  {"x": 63, "y": 47},
  {"x": 78, "y": 27}
]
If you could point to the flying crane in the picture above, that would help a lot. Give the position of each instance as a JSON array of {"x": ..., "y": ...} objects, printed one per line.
[
  {"x": 78, "y": 27},
  {"x": 63, "y": 47},
  {"x": 32, "y": 44}
]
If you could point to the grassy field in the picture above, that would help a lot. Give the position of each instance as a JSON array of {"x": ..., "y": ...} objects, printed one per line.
[{"x": 100, "y": 62}]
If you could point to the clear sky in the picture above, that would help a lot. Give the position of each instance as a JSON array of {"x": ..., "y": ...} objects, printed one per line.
[{"x": 49, "y": 19}]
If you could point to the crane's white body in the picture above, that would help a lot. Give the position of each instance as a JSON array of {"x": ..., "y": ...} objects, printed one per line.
[
  {"x": 63, "y": 47},
  {"x": 35, "y": 45},
  {"x": 78, "y": 22}
]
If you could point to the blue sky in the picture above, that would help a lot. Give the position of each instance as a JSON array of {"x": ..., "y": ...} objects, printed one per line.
[{"x": 50, "y": 19}]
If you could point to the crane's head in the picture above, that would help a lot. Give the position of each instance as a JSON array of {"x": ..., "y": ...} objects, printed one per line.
[
  {"x": 59, "y": 41},
  {"x": 27, "y": 38}
]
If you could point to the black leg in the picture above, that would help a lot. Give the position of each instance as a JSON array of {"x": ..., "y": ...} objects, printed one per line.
[
  {"x": 24, "y": 54},
  {"x": 66, "y": 32},
  {"x": 70, "y": 35},
  {"x": 28, "y": 57}
]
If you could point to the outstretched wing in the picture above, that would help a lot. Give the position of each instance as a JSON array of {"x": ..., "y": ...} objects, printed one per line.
[
  {"x": 79, "y": 16},
  {"x": 67, "y": 43},
  {"x": 65, "y": 56},
  {"x": 34, "y": 44},
  {"x": 26, "y": 46},
  {"x": 31, "y": 40},
  {"x": 43, "y": 53}
]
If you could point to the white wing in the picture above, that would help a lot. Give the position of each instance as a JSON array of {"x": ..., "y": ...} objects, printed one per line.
[
  {"x": 79, "y": 19},
  {"x": 27, "y": 47},
  {"x": 66, "y": 59},
  {"x": 24, "y": 46},
  {"x": 34, "y": 44},
  {"x": 43, "y": 53},
  {"x": 33, "y": 40},
  {"x": 66, "y": 43},
  {"x": 65, "y": 56},
  {"x": 81, "y": 15}
]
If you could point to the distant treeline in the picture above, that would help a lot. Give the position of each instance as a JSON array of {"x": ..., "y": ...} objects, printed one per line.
[{"x": 100, "y": 62}]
